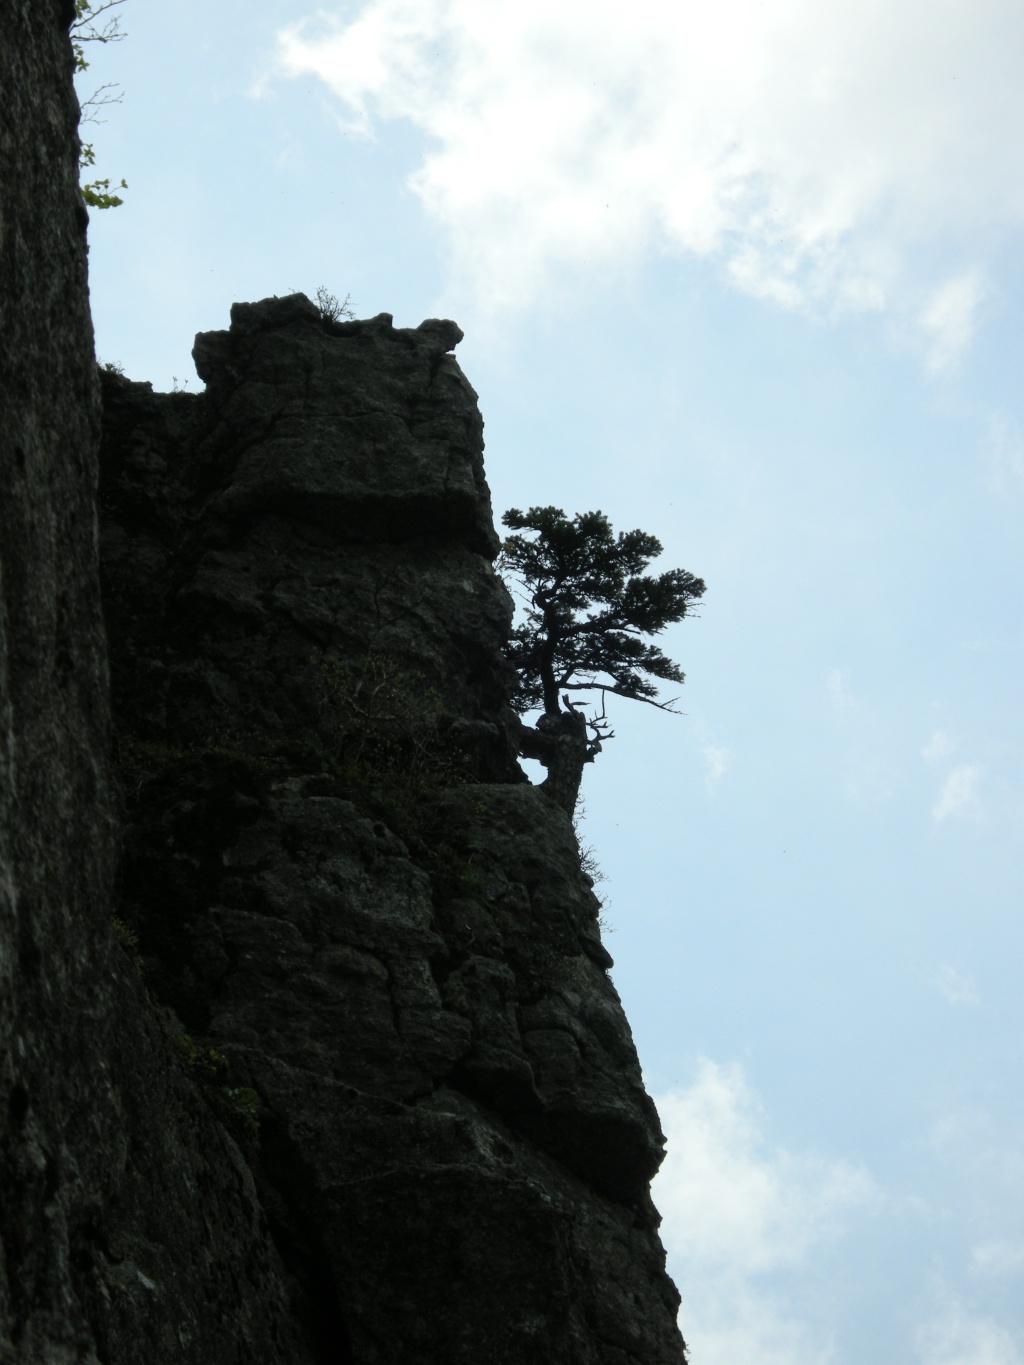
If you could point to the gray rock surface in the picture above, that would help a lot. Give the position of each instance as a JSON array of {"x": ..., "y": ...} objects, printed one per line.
[{"x": 341, "y": 880}]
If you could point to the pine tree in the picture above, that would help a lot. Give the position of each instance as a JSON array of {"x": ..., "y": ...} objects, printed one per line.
[{"x": 590, "y": 609}]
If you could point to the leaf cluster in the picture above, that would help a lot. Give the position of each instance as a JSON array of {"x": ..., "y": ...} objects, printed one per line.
[
  {"x": 97, "y": 192},
  {"x": 590, "y": 605}
]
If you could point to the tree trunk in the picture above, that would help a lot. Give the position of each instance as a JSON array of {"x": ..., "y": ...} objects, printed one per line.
[{"x": 560, "y": 743}]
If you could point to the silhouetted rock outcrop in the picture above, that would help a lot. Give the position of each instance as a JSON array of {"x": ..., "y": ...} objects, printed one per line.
[{"x": 341, "y": 880}]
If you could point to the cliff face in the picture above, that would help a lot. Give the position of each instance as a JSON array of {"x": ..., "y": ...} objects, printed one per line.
[
  {"x": 341, "y": 881},
  {"x": 308, "y": 1052}
]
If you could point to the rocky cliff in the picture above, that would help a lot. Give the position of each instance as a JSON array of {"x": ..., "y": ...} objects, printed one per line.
[
  {"x": 308, "y": 1049},
  {"x": 340, "y": 880}
]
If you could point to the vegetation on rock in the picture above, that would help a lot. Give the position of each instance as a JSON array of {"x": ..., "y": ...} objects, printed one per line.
[
  {"x": 85, "y": 28},
  {"x": 590, "y": 608}
]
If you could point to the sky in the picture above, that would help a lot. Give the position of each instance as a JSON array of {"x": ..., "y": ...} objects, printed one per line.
[{"x": 749, "y": 277}]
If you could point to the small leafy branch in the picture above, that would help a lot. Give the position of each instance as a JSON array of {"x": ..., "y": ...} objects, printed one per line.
[
  {"x": 88, "y": 26},
  {"x": 330, "y": 309}
]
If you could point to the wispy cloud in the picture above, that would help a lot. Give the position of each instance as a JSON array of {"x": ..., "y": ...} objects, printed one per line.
[
  {"x": 959, "y": 794},
  {"x": 998, "y": 1259},
  {"x": 839, "y": 692},
  {"x": 948, "y": 319},
  {"x": 717, "y": 758},
  {"x": 735, "y": 1212},
  {"x": 957, "y": 988},
  {"x": 958, "y": 1337},
  {"x": 970, "y": 1139},
  {"x": 939, "y": 746},
  {"x": 835, "y": 154},
  {"x": 716, "y": 761}
]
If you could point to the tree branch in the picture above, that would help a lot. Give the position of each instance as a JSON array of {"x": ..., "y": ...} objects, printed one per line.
[
  {"x": 84, "y": 20},
  {"x": 618, "y": 692}
]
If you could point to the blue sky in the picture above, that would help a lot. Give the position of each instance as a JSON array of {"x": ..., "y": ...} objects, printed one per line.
[{"x": 749, "y": 277}]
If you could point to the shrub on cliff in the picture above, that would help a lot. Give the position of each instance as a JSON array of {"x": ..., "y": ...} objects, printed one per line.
[{"x": 590, "y": 609}]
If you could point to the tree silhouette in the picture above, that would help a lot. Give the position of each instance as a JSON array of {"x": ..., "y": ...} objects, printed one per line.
[{"x": 591, "y": 607}]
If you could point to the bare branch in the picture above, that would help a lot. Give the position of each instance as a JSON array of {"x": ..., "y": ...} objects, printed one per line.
[
  {"x": 98, "y": 100},
  {"x": 84, "y": 25},
  {"x": 618, "y": 692},
  {"x": 330, "y": 309}
]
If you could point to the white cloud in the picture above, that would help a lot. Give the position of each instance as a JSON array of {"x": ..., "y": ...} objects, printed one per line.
[
  {"x": 998, "y": 1260},
  {"x": 747, "y": 1328},
  {"x": 961, "y": 1133},
  {"x": 957, "y": 988},
  {"x": 959, "y": 1338},
  {"x": 948, "y": 319},
  {"x": 959, "y": 794},
  {"x": 971, "y": 1141},
  {"x": 837, "y": 153},
  {"x": 735, "y": 1212},
  {"x": 940, "y": 746}
]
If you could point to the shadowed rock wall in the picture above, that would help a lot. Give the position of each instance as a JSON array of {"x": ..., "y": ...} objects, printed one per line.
[
  {"x": 340, "y": 879},
  {"x": 130, "y": 1230}
]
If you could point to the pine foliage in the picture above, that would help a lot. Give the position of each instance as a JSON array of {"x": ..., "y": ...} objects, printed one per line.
[{"x": 590, "y": 607}]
